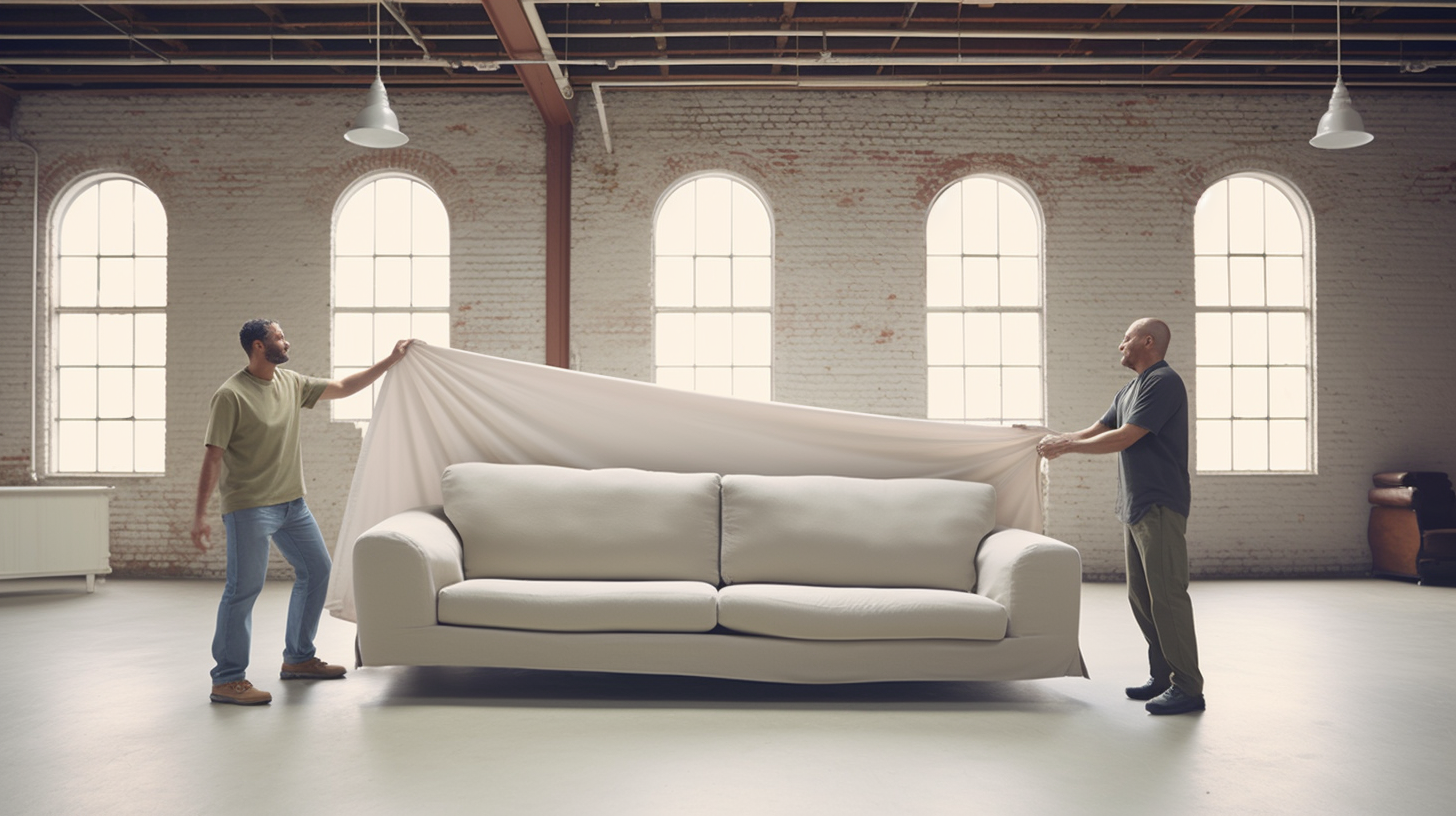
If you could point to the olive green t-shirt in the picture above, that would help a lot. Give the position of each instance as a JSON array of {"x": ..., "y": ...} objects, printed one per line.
[{"x": 256, "y": 423}]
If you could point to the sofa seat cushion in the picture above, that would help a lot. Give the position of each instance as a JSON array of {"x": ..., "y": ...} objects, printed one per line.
[
  {"x": 581, "y": 606},
  {"x": 557, "y": 523},
  {"x": 839, "y": 531},
  {"x": 859, "y": 613}
]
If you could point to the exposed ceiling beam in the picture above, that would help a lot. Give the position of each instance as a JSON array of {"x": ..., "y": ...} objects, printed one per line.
[{"x": 513, "y": 26}]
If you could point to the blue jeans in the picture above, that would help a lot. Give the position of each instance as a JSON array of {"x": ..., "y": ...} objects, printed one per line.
[{"x": 292, "y": 528}]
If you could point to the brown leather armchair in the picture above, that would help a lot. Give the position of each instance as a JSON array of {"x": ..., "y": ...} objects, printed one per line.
[{"x": 1413, "y": 527}]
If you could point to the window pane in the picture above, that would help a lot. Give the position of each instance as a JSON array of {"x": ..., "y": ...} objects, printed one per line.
[
  {"x": 1021, "y": 340},
  {"x": 983, "y": 393},
  {"x": 389, "y": 328},
  {"x": 1288, "y": 339},
  {"x": 430, "y": 282},
  {"x": 77, "y": 339},
  {"x": 354, "y": 232},
  {"x": 353, "y": 341},
  {"x": 751, "y": 232},
  {"x": 713, "y": 282},
  {"x": 981, "y": 282},
  {"x": 1250, "y": 338},
  {"x": 675, "y": 282},
  {"x": 79, "y": 227},
  {"x": 115, "y": 339},
  {"x": 1251, "y": 392},
  {"x": 752, "y": 282},
  {"x": 114, "y": 442},
  {"x": 151, "y": 446},
  {"x": 1215, "y": 445},
  {"x": 392, "y": 222},
  {"x": 1020, "y": 282},
  {"x": 1210, "y": 221},
  {"x": 714, "y": 216},
  {"x": 752, "y": 333},
  {"x": 1017, "y": 225},
  {"x": 1284, "y": 235},
  {"x": 716, "y": 381},
  {"x": 76, "y": 447},
  {"x": 113, "y": 397},
  {"x": 943, "y": 224},
  {"x": 675, "y": 230},
  {"x": 1214, "y": 339},
  {"x": 151, "y": 282},
  {"x": 983, "y": 338},
  {"x": 674, "y": 339},
  {"x": 752, "y": 383},
  {"x": 1246, "y": 281},
  {"x": 978, "y": 216},
  {"x": 356, "y": 407},
  {"x": 1288, "y": 388},
  {"x": 76, "y": 397},
  {"x": 1288, "y": 445},
  {"x": 942, "y": 282},
  {"x": 151, "y": 393},
  {"x": 1286, "y": 281},
  {"x": 391, "y": 281},
  {"x": 116, "y": 221},
  {"x": 1246, "y": 216},
  {"x": 946, "y": 392},
  {"x": 713, "y": 336},
  {"x": 78, "y": 282},
  {"x": 430, "y": 223},
  {"x": 151, "y": 224},
  {"x": 1251, "y": 444},
  {"x": 1215, "y": 392},
  {"x": 1211, "y": 280},
  {"x": 117, "y": 283},
  {"x": 944, "y": 339},
  {"x": 432, "y": 328},
  {"x": 674, "y": 377},
  {"x": 353, "y": 282},
  {"x": 1021, "y": 392}
]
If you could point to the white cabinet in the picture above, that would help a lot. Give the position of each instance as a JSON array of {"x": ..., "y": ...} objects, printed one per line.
[{"x": 55, "y": 531}]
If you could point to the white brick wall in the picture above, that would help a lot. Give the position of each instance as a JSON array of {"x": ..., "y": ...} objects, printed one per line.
[{"x": 849, "y": 177}]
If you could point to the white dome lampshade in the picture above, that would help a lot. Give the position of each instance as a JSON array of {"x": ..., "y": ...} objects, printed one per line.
[
  {"x": 376, "y": 125},
  {"x": 1341, "y": 126}
]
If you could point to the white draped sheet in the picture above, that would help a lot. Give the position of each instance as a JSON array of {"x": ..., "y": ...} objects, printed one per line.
[{"x": 439, "y": 406}]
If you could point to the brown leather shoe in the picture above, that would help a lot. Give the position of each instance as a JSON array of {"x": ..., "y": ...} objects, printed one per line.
[
  {"x": 240, "y": 692},
  {"x": 311, "y": 669}
]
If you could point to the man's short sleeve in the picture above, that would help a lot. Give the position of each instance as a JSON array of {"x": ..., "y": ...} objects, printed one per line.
[
  {"x": 222, "y": 420},
  {"x": 310, "y": 389},
  {"x": 1157, "y": 401},
  {"x": 1109, "y": 419}
]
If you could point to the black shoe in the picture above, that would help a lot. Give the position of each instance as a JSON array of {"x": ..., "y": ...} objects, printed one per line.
[
  {"x": 1175, "y": 701},
  {"x": 1148, "y": 690}
]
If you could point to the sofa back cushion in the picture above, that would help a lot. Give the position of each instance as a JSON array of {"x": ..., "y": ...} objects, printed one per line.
[
  {"x": 838, "y": 531},
  {"x": 544, "y": 522}
]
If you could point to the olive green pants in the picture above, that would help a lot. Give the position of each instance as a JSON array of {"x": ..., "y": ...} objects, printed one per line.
[{"x": 1157, "y": 587}]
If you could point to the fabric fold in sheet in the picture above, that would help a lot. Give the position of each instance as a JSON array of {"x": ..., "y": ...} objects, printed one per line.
[{"x": 439, "y": 406}]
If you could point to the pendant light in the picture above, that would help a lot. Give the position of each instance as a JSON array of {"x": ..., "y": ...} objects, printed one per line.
[
  {"x": 1341, "y": 126},
  {"x": 376, "y": 125}
]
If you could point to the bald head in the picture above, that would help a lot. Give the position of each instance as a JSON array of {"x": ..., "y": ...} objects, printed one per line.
[{"x": 1145, "y": 343}]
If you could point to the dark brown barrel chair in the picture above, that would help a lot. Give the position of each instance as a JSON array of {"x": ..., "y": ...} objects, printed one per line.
[{"x": 1413, "y": 527}]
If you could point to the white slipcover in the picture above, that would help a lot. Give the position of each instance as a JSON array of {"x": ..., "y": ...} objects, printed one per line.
[
  {"x": 859, "y": 613},
  {"x": 581, "y": 606}
]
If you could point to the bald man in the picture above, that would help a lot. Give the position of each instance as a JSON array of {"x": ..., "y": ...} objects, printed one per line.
[{"x": 1147, "y": 427}]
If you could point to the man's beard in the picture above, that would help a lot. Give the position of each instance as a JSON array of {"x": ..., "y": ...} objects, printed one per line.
[{"x": 275, "y": 356}]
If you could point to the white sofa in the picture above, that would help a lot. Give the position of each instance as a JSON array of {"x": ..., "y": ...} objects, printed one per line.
[{"x": 800, "y": 579}]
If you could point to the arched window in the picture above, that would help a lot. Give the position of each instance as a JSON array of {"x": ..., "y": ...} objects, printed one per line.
[
  {"x": 391, "y": 278},
  {"x": 109, "y": 328},
  {"x": 1253, "y": 292},
  {"x": 713, "y": 276},
  {"x": 983, "y": 298}
]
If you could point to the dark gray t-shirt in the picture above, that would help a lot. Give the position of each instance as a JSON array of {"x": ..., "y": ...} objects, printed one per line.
[{"x": 1154, "y": 469}]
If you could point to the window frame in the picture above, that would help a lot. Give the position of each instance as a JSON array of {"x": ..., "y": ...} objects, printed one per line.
[
  {"x": 55, "y": 310},
  {"x": 1039, "y": 310},
  {"x": 732, "y": 310},
  {"x": 345, "y": 198},
  {"x": 1305, "y": 215}
]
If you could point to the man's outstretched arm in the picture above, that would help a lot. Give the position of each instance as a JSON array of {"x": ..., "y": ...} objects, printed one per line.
[{"x": 1097, "y": 438}]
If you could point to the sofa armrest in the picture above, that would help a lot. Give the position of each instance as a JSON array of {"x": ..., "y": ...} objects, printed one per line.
[
  {"x": 1038, "y": 579},
  {"x": 400, "y": 566}
]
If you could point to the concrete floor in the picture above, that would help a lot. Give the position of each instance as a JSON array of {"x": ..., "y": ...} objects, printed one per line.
[{"x": 1328, "y": 697}]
